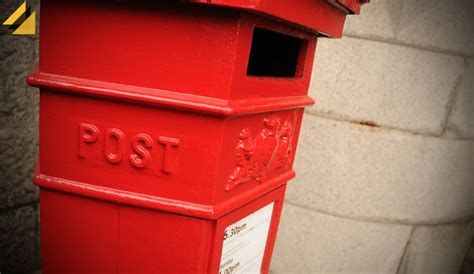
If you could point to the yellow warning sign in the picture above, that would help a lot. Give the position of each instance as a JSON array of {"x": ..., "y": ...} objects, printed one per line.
[{"x": 22, "y": 20}]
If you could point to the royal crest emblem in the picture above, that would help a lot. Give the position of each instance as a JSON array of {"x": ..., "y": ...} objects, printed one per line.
[{"x": 269, "y": 150}]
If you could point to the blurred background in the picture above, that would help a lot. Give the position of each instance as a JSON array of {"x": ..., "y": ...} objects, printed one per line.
[{"x": 385, "y": 164}]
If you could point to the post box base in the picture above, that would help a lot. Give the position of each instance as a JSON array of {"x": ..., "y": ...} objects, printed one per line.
[{"x": 84, "y": 235}]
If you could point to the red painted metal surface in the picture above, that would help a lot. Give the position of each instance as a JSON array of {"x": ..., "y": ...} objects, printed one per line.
[{"x": 158, "y": 129}]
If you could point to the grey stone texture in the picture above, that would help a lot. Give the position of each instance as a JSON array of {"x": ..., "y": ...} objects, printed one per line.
[
  {"x": 388, "y": 85},
  {"x": 18, "y": 152},
  {"x": 383, "y": 175},
  {"x": 441, "y": 25},
  {"x": 461, "y": 120},
  {"x": 18, "y": 116},
  {"x": 385, "y": 161},
  {"x": 19, "y": 247},
  {"x": 19, "y": 235},
  {"x": 310, "y": 242},
  {"x": 437, "y": 249},
  {"x": 19, "y": 101},
  {"x": 468, "y": 265}
]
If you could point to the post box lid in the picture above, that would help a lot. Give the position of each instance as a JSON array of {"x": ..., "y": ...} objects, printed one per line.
[{"x": 322, "y": 16}]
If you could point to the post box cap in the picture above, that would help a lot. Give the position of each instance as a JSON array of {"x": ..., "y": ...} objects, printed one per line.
[{"x": 322, "y": 16}]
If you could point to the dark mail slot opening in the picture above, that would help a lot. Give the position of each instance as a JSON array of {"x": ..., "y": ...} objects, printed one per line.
[{"x": 275, "y": 54}]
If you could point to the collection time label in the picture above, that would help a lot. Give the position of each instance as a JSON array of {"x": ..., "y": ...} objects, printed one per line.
[{"x": 244, "y": 243}]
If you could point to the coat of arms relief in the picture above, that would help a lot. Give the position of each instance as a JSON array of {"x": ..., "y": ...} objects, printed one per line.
[{"x": 256, "y": 156}]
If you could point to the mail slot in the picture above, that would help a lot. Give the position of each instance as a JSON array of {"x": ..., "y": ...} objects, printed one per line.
[{"x": 168, "y": 129}]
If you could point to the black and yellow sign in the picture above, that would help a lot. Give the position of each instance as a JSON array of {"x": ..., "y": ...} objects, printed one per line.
[{"x": 22, "y": 21}]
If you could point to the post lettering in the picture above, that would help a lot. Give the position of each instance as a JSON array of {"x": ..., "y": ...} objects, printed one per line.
[
  {"x": 88, "y": 133},
  {"x": 140, "y": 144},
  {"x": 114, "y": 155},
  {"x": 169, "y": 144}
]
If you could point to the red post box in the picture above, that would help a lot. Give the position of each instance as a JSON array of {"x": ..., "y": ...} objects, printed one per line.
[{"x": 168, "y": 129}]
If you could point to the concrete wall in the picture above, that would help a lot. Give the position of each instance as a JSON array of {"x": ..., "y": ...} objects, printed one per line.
[
  {"x": 19, "y": 235},
  {"x": 385, "y": 165}
]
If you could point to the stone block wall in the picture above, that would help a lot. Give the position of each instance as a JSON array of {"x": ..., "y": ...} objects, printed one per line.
[
  {"x": 19, "y": 226},
  {"x": 385, "y": 163}
]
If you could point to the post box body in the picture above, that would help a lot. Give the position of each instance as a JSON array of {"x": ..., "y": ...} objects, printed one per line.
[
  {"x": 168, "y": 130},
  {"x": 92, "y": 236}
]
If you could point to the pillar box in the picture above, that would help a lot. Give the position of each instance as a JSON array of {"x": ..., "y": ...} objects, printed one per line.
[{"x": 168, "y": 129}]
